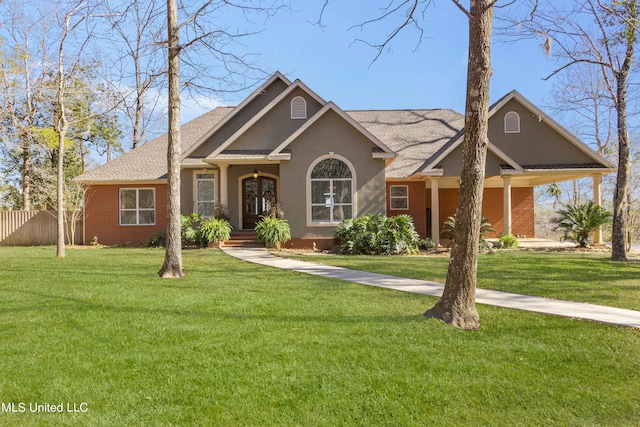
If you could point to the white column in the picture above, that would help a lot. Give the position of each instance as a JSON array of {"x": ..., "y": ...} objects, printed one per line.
[
  {"x": 507, "y": 205},
  {"x": 224, "y": 190},
  {"x": 435, "y": 211},
  {"x": 597, "y": 199}
]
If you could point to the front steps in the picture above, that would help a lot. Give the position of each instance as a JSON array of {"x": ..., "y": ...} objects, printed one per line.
[{"x": 243, "y": 239}]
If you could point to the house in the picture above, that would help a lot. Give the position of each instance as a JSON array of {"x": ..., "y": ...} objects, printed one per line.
[{"x": 285, "y": 147}]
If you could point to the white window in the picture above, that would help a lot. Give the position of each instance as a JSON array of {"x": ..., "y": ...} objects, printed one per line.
[
  {"x": 331, "y": 191},
  {"x": 205, "y": 194},
  {"x": 298, "y": 108},
  {"x": 137, "y": 206},
  {"x": 511, "y": 122},
  {"x": 399, "y": 197}
]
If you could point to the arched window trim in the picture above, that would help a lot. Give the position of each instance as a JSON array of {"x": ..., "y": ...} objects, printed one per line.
[
  {"x": 512, "y": 122},
  {"x": 298, "y": 108},
  {"x": 354, "y": 195}
]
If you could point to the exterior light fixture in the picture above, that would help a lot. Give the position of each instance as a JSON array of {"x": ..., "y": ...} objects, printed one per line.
[{"x": 255, "y": 174}]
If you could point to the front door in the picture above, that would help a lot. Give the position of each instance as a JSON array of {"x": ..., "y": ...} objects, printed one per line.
[{"x": 258, "y": 198}]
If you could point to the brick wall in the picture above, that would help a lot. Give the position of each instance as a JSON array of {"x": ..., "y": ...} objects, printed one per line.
[
  {"x": 522, "y": 208},
  {"x": 102, "y": 216},
  {"x": 417, "y": 205}
]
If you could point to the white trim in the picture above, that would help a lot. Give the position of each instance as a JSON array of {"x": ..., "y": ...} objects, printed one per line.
[
  {"x": 405, "y": 197},
  {"x": 354, "y": 193},
  {"x": 331, "y": 106},
  {"x": 259, "y": 91},
  {"x": 491, "y": 148},
  {"x": 137, "y": 208},
  {"x": 277, "y": 100},
  {"x": 216, "y": 182}
]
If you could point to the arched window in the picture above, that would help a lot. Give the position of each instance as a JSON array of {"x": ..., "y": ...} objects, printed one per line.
[
  {"x": 331, "y": 191},
  {"x": 298, "y": 108},
  {"x": 511, "y": 122}
]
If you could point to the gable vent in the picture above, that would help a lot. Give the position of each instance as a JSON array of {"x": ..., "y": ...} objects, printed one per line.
[
  {"x": 511, "y": 122},
  {"x": 298, "y": 108}
]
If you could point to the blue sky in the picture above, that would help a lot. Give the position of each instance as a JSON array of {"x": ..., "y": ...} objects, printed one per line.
[{"x": 407, "y": 75}]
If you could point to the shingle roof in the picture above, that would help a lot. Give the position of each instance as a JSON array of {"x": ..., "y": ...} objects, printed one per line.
[
  {"x": 415, "y": 135},
  {"x": 149, "y": 161}
]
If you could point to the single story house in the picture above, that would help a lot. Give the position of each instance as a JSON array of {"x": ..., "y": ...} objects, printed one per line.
[{"x": 285, "y": 147}]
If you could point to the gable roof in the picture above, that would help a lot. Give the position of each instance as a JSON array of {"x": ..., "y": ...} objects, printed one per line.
[
  {"x": 455, "y": 142},
  {"x": 148, "y": 162}
]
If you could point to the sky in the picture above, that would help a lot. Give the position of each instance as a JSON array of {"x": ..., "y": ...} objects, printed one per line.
[{"x": 412, "y": 73}]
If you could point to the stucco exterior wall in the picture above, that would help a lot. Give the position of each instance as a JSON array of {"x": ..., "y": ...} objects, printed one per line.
[
  {"x": 330, "y": 134},
  {"x": 102, "y": 216},
  {"x": 537, "y": 143}
]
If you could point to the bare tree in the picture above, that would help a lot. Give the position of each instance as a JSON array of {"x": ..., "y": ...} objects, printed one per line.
[
  {"x": 214, "y": 40},
  {"x": 457, "y": 304},
  {"x": 603, "y": 35},
  {"x": 139, "y": 27}
]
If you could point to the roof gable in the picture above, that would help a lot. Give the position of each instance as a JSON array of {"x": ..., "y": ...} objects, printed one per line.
[
  {"x": 383, "y": 150},
  {"x": 576, "y": 151},
  {"x": 281, "y": 101},
  {"x": 255, "y": 102}
]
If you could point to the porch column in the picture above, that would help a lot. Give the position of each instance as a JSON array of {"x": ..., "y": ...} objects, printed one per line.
[
  {"x": 224, "y": 191},
  {"x": 507, "y": 229},
  {"x": 597, "y": 199},
  {"x": 435, "y": 211}
]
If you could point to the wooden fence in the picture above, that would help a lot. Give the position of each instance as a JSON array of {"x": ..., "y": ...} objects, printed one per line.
[{"x": 34, "y": 228}]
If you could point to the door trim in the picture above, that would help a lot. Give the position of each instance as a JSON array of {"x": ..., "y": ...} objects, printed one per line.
[{"x": 250, "y": 175}]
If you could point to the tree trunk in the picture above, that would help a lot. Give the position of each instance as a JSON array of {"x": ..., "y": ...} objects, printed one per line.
[
  {"x": 173, "y": 254},
  {"x": 618, "y": 247},
  {"x": 457, "y": 304}
]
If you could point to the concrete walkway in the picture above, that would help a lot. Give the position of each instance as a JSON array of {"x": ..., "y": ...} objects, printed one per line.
[{"x": 596, "y": 313}]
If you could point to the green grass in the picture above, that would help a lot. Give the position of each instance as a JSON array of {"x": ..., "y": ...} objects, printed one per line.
[
  {"x": 573, "y": 276},
  {"x": 238, "y": 344}
]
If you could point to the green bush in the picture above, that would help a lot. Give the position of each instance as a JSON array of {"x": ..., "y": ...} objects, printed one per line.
[
  {"x": 581, "y": 220},
  {"x": 200, "y": 232},
  {"x": 214, "y": 230},
  {"x": 508, "y": 241},
  {"x": 427, "y": 245},
  {"x": 272, "y": 230},
  {"x": 159, "y": 241},
  {"x": 377, "y": 234},
  {"x": 449, "y": 227}
]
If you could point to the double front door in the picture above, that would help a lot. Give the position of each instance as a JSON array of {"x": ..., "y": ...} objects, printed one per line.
[{"x": 258, "y": 198}]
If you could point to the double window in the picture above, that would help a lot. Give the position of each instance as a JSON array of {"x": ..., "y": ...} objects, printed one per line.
[
  {"x": 331, "y": 182},
  {"x": 399, "y": 197},
  {"x": 137, "y": 206}
]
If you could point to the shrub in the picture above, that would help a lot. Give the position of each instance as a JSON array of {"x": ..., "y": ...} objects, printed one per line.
[
  {"x": 508, "y": 241},
  {"x": 581, "y": 220},
  {"x": 449, "y": 227},
  {"x": 214, "y": 230},
  {"x": 200, "y": 232},
  {"x": 159, "y": 241},
  {"x": 272, "y": 230},
  {"x": 377, "y": 234},
  {"x": 427, "y": 245}
]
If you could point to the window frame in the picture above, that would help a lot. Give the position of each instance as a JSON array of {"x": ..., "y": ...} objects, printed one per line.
[
  {"x": 298, "y": 112},
  {"x": 195, "y": 189},
  {"x": 512, "y": 122},
  {"x": 137, "y": 209},
  {"x": 332, "y": 222},
  {"x": 392, "y": 197}
]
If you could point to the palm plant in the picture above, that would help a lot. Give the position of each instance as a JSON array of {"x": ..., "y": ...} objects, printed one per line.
[
  {"x": 273, "y": 231},
  {"x": 581, "y": 221},
  {"x": 449, "y": 227}
]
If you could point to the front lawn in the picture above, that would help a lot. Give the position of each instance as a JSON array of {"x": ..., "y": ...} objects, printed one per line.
[
  {"x": 237, "y": 344},
  {"x": 574, "y": 276}
]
